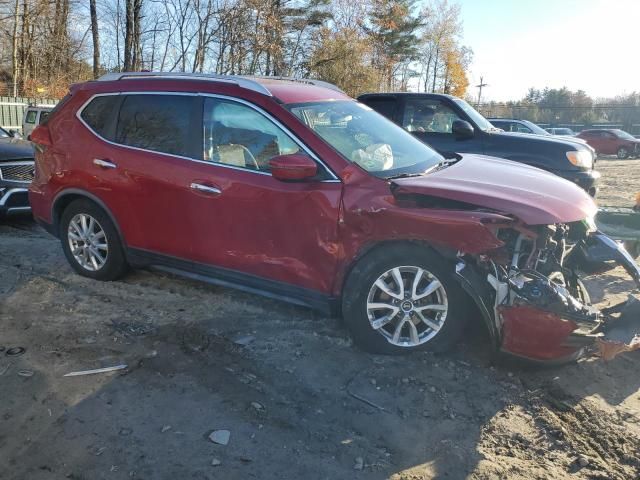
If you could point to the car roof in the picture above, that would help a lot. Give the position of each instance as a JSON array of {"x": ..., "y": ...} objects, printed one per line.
[
  {"x": 407, "y": 94},
  {"x": 285, "y": 90}
]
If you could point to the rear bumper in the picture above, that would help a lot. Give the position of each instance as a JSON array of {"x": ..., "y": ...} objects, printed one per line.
[
  {"x": 588, "y": 180},
  {"x": 14, "y": 200}
]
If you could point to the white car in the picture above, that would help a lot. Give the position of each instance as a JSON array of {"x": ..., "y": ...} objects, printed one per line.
[{"x": 33, "y": 116}]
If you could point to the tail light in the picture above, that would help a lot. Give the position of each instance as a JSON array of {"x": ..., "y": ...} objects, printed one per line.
[{"x": 41, "y": 137}]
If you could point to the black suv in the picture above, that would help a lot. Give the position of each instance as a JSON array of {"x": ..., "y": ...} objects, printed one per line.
[
  {"x": 450, "y": 124},
  {"x": 16, "y": 173}
]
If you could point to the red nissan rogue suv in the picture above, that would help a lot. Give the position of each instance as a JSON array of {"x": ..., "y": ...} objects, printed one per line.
[{"x": 291, "y": 189}]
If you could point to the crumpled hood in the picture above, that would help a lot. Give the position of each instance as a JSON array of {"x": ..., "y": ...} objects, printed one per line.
[
  {"x": 14, "y": 149},
  {"x": 534, "y": 196}
]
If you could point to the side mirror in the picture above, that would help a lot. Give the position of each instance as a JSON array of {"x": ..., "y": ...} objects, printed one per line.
[
  {"x": 15, "y": 134},
  {"x": 462, "y": 130},
  {"x": 293, "y": 167}
]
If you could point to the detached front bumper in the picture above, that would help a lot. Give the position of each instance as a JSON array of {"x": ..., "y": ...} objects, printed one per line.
[
  {"x": 14, "y": 200},
  {"x": 535, "y": 318}
]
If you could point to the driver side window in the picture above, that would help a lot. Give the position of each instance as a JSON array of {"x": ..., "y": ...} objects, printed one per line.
[
  {"x": 522, "y": 129},
  {"x": 237, "y": 135},
  {"x": 428, "y": 116}
]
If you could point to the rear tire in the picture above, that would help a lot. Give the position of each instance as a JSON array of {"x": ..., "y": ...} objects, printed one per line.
[
  {"x": 91, "y": 242},
  {"x": 427, "y": 313}
]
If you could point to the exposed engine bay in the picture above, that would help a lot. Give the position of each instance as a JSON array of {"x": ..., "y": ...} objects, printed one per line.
[{"x": 534, "y": 301}]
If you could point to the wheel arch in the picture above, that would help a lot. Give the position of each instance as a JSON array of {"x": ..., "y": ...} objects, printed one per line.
[
  {"x": 449, "y": 256},
  {"x": 369, "y": 248},
  {"x": 63, "y": 199}
]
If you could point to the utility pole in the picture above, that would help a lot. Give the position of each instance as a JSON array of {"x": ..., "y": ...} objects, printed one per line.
[{"x": 479, "y": 87}]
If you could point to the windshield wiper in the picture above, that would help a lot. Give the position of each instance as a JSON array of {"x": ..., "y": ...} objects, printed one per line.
[
  {"x": 406, "y": 175},
  {"x": 447, "y": 162}
]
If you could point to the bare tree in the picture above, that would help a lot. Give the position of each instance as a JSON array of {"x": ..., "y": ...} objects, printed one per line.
[
  {"x": 14, "y": 55},
  {"x": 95, "y": 36}
]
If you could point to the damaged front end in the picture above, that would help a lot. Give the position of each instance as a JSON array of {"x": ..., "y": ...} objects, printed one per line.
[{"x": 533, "y": 300}]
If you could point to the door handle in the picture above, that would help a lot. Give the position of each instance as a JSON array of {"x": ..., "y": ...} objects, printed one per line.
[
  {"x": 205, "y": 189},
  {"x": 104, "y": 163}
]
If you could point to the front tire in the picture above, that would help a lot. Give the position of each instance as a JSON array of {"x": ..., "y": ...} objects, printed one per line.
[
  {"x": 90, "y": 241},
  {"x": 402, "y": 299},
  {"x": 622, "y": 153}
]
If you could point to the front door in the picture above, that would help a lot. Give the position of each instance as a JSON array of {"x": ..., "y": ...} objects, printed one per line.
[
  {"x": 431, "y": 121},
  {"x": 609, "y": 143},
  {"x": 249, "y": 222}
]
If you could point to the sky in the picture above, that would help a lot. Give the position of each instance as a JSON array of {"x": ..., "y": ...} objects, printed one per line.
[{"x": 592, "y": 45}]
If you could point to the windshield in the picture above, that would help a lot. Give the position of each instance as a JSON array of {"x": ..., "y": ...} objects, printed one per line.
[
  {"x": 480, "y": 121},
  {"x": 623, "y": 134},
  {"x": 535, "y": 128},
  {"x": 365, "y": 137},
  {"x": 4, "y": 133},
  {"x": 564, "y": 131}
]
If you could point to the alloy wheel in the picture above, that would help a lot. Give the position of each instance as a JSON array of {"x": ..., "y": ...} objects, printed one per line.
[
  {"x": 88, "y": 242},
  {"x": 622, "y": 153},
  {"x": 407, "y": 305}
]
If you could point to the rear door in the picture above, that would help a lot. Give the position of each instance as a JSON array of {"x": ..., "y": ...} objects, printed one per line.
[{"x": 141, "y": 167}]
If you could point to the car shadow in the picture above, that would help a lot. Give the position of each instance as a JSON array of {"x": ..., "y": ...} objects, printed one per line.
[{"x": 299, "y": 399}]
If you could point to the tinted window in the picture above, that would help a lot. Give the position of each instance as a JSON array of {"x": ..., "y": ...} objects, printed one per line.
[
  {"x": 385, "y": 106},
  {"x": 238, "y": 135},
  {"x": 31, "y": 116},
  {"x": 156, "y": 122},
  {"x": 99, "y": 113},
  {"x": 4, "y": 133}
]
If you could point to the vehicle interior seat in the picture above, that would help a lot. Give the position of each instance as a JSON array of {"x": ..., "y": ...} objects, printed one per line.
[{"x": 229, "y": 145}]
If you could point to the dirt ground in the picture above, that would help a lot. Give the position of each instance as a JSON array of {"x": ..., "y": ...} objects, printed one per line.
[{"x": 298, "y": 399}]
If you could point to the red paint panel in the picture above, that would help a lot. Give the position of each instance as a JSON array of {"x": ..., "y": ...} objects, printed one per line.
[
  {"x": 536, "y": 334},
  {"x": 534, "y": 196}
]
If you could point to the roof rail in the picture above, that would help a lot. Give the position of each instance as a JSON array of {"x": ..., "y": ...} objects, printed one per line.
[
  {"x": 249, "y": 82},
  {"x": 244, "y": 82},
  {"x": 310, "y": 81}
]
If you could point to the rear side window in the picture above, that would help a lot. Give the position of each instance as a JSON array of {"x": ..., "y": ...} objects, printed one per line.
[
  {"x": 43, "y": 116},
  {"x": 31, "y": 116},
  {"x": 156, "y": 122},
  {"x": 384, "y": 105},
  {"x": 98, "y": 114}
]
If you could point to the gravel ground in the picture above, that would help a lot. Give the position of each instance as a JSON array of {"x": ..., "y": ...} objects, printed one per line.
[
  {"x": 298, "y": 399},
  {"x": 620, "y": 182}
]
